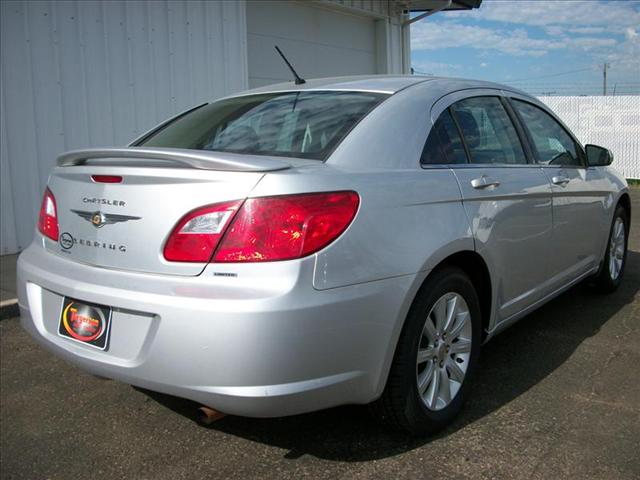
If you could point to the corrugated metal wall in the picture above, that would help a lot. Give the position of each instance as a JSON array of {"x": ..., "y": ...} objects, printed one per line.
[
  {"x": 89, "y": 73},
  {"x": 612, "y": 122},
  {"x": 382, "y": 8},
  {"x": 393, "y": 50},
  {"x": 320, "y": 42}
]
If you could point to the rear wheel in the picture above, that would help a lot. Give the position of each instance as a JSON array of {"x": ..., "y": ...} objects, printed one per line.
[
  {"x": 615, "y": 255},
  {"x": 435, "y": 358}
]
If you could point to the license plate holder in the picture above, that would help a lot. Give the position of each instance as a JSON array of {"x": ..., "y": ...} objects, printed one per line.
[{"x": 85, "y": 322}]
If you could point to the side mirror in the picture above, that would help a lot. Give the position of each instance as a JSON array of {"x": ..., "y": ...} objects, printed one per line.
[{"x": 598, "y": 156}]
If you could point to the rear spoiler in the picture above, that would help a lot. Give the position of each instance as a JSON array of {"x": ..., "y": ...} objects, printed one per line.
[{"x": 200, "y": 159}]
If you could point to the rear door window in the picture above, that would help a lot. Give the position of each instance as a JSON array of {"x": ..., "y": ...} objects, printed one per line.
[
  {"x": 305, "y": 124},
  {"x": 444, "y": 145},
  {"x": 488, "y": 132}
]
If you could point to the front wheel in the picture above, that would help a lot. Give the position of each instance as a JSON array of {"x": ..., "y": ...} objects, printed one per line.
[
  {"x": 435, "y": 358},
  {"x": 615, "y": 256}
]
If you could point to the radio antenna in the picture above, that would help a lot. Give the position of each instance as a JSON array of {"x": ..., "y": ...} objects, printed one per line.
[{"x": 298, "y": 79}]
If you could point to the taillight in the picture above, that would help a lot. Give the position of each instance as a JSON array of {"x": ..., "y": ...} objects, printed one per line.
[
  {"x": 286, "y": 227},
  {"x": 48, "y": 220},
  {"x": 197, "y": 234}
]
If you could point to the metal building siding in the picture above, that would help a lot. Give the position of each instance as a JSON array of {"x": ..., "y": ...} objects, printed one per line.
[
  {"x": 613, "y": 122},
  {"x": 89, "y": 73},
  {"x": 319, "y": 40},
  {"x": 380, "y": 8}
]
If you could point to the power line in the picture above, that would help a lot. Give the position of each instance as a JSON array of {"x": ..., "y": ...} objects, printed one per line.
[
  {"x": 549, "y": 76},
  {"x": 572, "y": 84},
  {"x": 576, "y": 87},
  {"x": 592, "y": 68},
  {"x": 591, "y": 87},
  {"x": 598, "y": 88}
]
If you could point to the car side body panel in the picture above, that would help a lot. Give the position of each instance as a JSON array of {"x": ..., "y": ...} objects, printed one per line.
[
  {"x": 579, "y": 210},
  {"x": 512, "y": 227},
  {"x": 580, "y": 196},
  {"x": 511, "y": 222}
]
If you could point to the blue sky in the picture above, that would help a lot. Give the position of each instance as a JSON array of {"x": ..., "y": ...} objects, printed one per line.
[{"x": 533, "y": 44}]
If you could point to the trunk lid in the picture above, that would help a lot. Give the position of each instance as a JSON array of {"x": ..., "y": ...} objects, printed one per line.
[{"x": 125, "y": 225}]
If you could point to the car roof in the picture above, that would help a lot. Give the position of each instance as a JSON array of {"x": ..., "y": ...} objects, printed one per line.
[{"x": 389, "y": 84}]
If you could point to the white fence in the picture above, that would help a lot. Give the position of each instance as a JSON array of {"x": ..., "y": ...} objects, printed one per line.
[{"x": 612, "y": 122}]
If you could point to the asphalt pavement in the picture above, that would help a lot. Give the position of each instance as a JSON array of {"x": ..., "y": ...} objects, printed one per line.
[{"x": 557, "y": 396}]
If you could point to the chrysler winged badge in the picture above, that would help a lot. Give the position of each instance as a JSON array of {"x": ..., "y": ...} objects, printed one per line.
[{"x": 100, "y": 219}]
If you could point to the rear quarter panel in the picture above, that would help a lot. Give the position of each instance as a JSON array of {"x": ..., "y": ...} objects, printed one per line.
[{"x": 407, "y": 221}]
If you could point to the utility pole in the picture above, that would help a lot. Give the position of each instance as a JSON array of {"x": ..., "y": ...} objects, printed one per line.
[{"x": 604, "y": 79}]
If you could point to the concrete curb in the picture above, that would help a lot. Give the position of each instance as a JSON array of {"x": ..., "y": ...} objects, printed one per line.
[{"x": 9, "y": 308}]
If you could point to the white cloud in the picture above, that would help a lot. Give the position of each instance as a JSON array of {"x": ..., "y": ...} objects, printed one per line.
[
  {"x": 591, "y": 43},
  {"x": 437, "y": 69},
  {"x": 555, "y": 30},
  {"x": 564, "y": 30},
  {"x": 625, "y": 58},
  {"x": 484, "y": 65},
  {"x": 443, "y": 34},
  {"x": 597, "y": 32},
  {"x": 582, "y": 25},
  {"x": 587, "y": 30},
  {"x": 570, "y": 13}
]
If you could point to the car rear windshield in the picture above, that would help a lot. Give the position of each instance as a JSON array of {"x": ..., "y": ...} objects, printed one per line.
[{"x": 292, "y": 124}]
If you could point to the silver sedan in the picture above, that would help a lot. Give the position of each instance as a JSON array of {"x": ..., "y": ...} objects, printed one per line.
[{"x": 347, "y": 240}]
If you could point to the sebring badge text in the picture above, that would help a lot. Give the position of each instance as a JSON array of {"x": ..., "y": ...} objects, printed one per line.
[{"x": 67, "y": 241}]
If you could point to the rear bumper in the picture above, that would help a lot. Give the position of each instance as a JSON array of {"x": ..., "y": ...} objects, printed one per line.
[{"x": 266, "y": 345}]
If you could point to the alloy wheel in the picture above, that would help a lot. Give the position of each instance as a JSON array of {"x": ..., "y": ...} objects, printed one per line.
[
  {"x": 616, "y": 248},
  {"x": 444, "y": 351}
]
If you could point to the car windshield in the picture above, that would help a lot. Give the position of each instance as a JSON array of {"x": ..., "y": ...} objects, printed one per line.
[{"x": 306, "y": 124}]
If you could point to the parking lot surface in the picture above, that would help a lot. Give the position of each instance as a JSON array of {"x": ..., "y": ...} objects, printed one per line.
[{"x": 557, "y": 396}]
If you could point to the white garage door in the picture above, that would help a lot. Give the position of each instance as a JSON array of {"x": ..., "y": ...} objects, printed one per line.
[{"x": 319, "y": 42}]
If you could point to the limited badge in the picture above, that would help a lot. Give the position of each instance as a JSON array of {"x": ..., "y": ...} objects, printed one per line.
[{"x": 85, "y": 322}]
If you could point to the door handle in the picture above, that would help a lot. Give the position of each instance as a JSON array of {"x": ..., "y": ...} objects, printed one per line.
[
  {"x": 484, "y": 182},
  {"x": 560, "y": 180}
]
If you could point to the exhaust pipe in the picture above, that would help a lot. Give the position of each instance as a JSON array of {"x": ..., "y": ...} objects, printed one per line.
[{"x": 206, "y": 415}]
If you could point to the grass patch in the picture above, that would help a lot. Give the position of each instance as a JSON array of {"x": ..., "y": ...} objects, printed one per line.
[{"x": 633, "y": 182}]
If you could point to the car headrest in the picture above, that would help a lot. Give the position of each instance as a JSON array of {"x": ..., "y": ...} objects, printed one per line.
[
  {"x": 469, "y": 128},
  {"x": 241, "y": 138}
]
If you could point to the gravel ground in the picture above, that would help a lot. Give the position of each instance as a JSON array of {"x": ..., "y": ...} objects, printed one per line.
[{"x": 557, "y": 396}]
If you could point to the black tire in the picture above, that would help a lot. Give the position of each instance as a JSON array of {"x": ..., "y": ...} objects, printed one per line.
[
  {"x": 400, "y": 406},
  {"x": 604, "y": 282}
]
